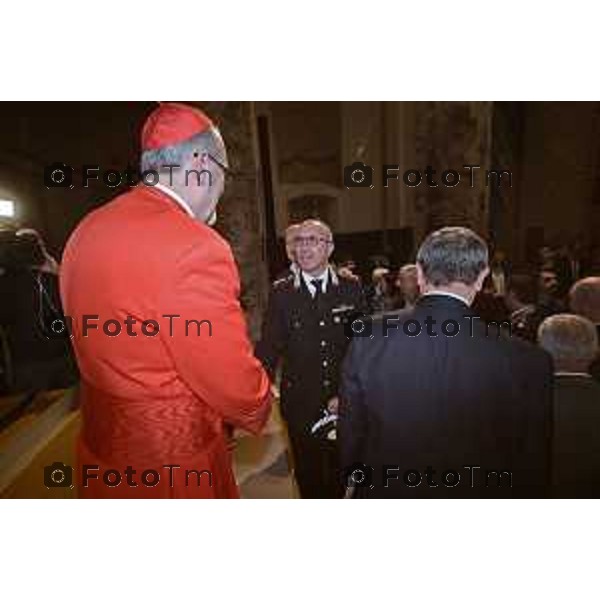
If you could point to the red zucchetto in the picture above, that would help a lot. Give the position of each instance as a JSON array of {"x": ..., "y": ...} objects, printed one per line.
[{"x": 172, "y": 123}]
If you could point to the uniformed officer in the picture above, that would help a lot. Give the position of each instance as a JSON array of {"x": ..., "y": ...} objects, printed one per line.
[{"x": 304, "y": 328}]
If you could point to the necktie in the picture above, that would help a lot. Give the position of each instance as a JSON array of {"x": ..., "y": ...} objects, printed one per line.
[{"x": 318, "y": 285}]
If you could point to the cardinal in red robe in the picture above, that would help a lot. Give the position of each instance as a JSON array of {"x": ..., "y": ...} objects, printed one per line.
[{"x": 151, "y": 292}]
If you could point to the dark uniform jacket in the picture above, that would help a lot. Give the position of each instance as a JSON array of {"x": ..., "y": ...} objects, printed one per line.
[{"x": 308, "y": 336}]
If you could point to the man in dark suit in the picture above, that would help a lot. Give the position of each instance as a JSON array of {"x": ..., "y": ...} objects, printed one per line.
[
  {"x": 437, "y": 404},
  {"x": 304, "y": 330},
  {"x": 584, "y": 300},
  {"x": 573, "y": 343}
]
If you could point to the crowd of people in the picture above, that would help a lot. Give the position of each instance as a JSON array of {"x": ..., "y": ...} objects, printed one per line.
[
  {"x": 388, "y": 387},
  {"x": 556, "y": 307}
]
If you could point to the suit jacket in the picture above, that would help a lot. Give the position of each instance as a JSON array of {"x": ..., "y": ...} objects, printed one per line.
[
  {"x": 308, "y": 337},
  {"x": 463, "y": 405},
  {"x": 149, "y": 400},
  {"x": 576, "y": 443}
]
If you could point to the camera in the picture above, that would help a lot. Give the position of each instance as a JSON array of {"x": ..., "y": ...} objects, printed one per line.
[
  {"x": 358, "y": 324},
  {"x": 358, "y": 175},
  {"x": 58, "y": 475},
  {"x": 58, "y": 175}
]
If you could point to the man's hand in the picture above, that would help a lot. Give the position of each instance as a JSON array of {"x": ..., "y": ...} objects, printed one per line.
[{"x": 333, "y": 404}]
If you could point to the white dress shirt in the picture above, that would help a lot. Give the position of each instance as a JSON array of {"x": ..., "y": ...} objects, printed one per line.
[
  {"x": 449, "y": 294},
  {"x": 324, "y": 277}
]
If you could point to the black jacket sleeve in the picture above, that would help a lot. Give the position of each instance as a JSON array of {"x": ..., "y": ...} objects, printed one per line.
[
  {"x": 274, "y": 335},
  {"x": 352, "y": 423}
]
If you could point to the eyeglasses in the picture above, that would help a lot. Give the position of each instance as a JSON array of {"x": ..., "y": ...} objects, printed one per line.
[
  {"x": 312, "y": 241},
  {"x": 228, "y": 174}
]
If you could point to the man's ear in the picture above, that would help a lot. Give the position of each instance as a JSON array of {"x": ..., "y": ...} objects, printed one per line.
[
  {"x": 421, "y": 279},
  {"x": 200, "y": 159},
  {"x": 481, "y": 278},
  {"x": 331, "y": 249}
]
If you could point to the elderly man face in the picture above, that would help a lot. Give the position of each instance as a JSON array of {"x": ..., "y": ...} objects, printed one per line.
[{"x": 313, "y": 245}]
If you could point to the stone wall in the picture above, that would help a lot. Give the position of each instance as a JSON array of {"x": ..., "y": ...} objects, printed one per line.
[
  {"x": 240, "y": 212},
  {"x": 449, "y": 135}
]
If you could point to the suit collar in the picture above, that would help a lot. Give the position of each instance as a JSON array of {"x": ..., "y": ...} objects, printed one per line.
[
  {"x": 299, "y": 279},
  {"x": 442, "y": 299},
  {"x": 324, "y": 277}
]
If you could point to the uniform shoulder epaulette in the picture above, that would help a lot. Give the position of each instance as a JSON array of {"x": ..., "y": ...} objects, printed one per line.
[{"x": 283, "y": 282}]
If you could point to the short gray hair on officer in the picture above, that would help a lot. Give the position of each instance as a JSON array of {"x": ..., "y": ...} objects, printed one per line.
[
  {"x": 569, "y": 338},
  {"x": 321, "y": 225},
  {"x": 452, "y": 254},
  {"x": 291, "y": 230}
]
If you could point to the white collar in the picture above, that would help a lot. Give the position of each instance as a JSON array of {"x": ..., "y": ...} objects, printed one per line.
[
  {"x": 571, "y": 374},
  {"x": 175, "y": 196},
  {"x": 324, "y": 277},
  {"x": 449, "y": 294}
]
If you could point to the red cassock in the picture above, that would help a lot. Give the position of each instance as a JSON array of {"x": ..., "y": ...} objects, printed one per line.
[{"x": 158, "y": 397}]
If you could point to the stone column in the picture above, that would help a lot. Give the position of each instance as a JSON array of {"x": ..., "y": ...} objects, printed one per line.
[
  {"x": 240, "y": 212},
  {"x": 449, "y": 135}
]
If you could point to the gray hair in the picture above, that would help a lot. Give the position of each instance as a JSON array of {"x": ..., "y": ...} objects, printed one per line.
[
  {"x": 179, "y": 154},
  {"x": 569, "y": 338},
  {"x": 321, "y": 225},
  {"x": 452, "y": 254}
]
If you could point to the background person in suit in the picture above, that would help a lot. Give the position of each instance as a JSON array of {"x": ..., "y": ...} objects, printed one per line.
[
  {"x": 168, "y": 396},
  {"x": 573, "y": 343},
  {"x": 303, "y": 330},
  {"x": 431, "y": 404}
]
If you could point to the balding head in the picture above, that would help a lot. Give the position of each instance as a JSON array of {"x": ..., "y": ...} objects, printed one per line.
[
  {"x": 318, "y": 226},
  {"x": 584, "y": 298},
  {"x": 572, "y": 341}
]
